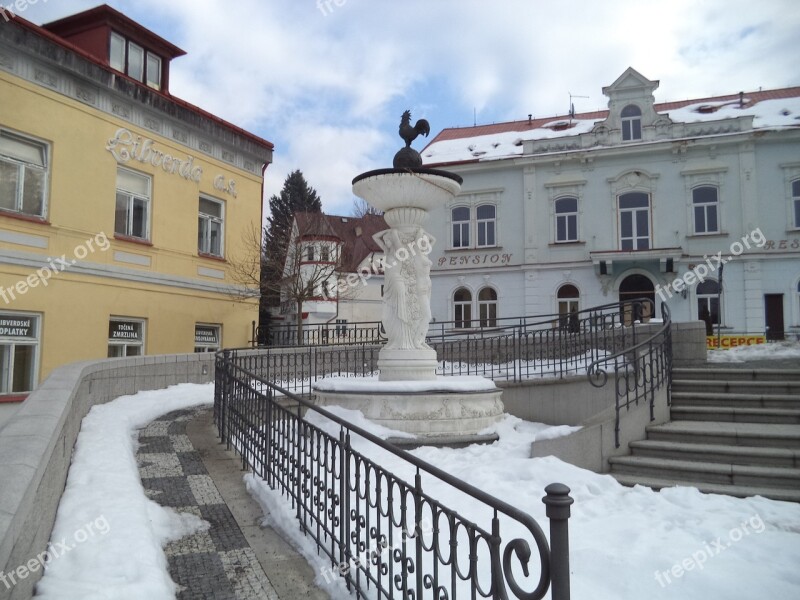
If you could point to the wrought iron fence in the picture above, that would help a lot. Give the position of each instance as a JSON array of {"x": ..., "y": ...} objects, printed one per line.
[
  {"x": 639, "y": 370},
  {"x": 386, "y": 535},
  {"x": 288, "y": 334}
]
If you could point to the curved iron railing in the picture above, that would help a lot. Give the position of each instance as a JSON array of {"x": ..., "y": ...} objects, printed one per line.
[
  {"x": 639, "y": 371},
  {"x": 387, "y": 535}
]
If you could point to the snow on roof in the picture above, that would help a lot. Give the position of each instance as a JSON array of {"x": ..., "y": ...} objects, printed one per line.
[{"x": 771, "y": 109}]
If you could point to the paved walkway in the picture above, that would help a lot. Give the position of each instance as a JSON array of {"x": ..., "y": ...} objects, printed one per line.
[{"x": 183, "y": 466}]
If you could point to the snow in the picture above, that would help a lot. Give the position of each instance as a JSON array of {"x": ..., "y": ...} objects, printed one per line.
[
  {"x": 768, "y": 351},
  {"x": 625, "y": 543},
  {"x": 355, "y": 418},
  {"x": 115, "y": 532},
  {"x": 767, "y": 114},
  {"x": 463, "y": 383}
]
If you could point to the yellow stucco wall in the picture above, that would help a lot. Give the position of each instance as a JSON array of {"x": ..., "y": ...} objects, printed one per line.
[{"x": 76, "y": 306}]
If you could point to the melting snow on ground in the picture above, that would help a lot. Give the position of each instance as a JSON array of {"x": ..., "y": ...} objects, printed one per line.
[{"x": 625, "y": 543}]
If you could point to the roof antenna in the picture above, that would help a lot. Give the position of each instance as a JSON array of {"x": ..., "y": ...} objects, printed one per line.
[
  {"x": 572, "y": 106},
  {"x": 474, "y": 117}
]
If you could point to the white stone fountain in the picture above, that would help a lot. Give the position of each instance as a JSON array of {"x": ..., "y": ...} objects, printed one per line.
[{"x": 408, "y": 395}]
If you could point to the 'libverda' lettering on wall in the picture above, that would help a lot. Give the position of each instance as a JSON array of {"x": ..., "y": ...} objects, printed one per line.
[{"x": 125, "y": 146}]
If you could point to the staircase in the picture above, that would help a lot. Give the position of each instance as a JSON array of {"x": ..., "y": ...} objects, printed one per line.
[{"x": 733, "y": 431}]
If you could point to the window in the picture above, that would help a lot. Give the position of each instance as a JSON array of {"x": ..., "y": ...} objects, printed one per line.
[
  {"x": 341, "y": 327},
  {"x": 796, "y": 202},
  {"x": 210, "y": 227},
  {"x": 566, "y": 210},
  {"x": 19, "y": 352},
  {"x": 460, "y": 217},
  {"x": 23, "y": 175},
  {"x": 132, "y": 214},
  {"x": 634, "y": 221},
  {"x": 487, "y": 307},
  {"x": 708, "y": 300},
  {"x": 133, "y": 60},
  {"x": 568, "y": 299},
  {"x": 462, "y": 304},
  {"x": 486, "y": 225},
  {"x": 631, "y": 123},
  {"x": 706, "y": 202},
  {"x": 125, "y": 337},
  {"x": 206, "y": 338},
  {"x": 310, "y": 253}
]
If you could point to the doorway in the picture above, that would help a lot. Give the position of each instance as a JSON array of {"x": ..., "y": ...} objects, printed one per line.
[{"x": 773, "y": 314}]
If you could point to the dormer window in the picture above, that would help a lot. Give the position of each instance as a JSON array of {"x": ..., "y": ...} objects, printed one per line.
[
  {"x": 631, "y": 117},
  {"x": 136, "y": 62}
]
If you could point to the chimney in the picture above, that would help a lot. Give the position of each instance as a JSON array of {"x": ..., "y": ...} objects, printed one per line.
[
  {"x": 741, "y": 99},
  {"x": 358, "y": 231}
]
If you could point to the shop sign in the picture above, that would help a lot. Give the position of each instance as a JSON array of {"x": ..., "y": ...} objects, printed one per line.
[
  {"x": 205, "y": 335},
  {"x": 733, "y": 341},
  {"x": 16, "y": 327},
  {"x": 469, "y": 260},
  {"x": 124, "y": 330}
]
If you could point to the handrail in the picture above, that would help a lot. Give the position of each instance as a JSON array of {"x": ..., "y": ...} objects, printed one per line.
[
  {"x": 263, "y": 435},
  {"x": 639, "y": 370}
]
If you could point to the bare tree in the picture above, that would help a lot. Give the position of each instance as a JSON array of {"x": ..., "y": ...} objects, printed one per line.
[{"x": 361, "y": 208}]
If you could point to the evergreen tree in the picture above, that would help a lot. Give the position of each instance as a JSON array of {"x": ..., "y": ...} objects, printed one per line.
[{"x": 296, "y": 196}]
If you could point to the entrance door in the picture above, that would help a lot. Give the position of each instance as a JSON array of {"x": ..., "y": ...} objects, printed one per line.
[
  {"x": 637, "y": 286},
  {"x": 773, "y": 310}
]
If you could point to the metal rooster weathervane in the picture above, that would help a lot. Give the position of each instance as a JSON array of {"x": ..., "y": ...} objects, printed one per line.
[{"x": 408, "y": 158}]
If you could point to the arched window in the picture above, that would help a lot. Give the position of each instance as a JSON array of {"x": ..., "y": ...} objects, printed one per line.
[
  {"x": 460, "y": 218},
  {"x": 568, "y": 301},
  {"x": 462, "y": 307},
  {"x": 708, "y": 300},
  {"x": 566, "y": 210},
  {"x": 486, "y": 225},
  {"x": 487, "y": 307},
  {"x": 631, "y": 123},
  {"x": 705, "y": 201}
]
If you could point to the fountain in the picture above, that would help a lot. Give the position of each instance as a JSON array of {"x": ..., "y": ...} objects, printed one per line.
[{"x": 408, "y": 395}]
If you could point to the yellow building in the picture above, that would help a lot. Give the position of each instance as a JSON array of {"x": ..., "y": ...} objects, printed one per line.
[{"x": 122, "y": 208}]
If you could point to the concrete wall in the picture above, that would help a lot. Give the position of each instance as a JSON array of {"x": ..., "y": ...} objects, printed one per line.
[
  {"x": 36, "y": 444},
  {"x": 689, "y": 344}
]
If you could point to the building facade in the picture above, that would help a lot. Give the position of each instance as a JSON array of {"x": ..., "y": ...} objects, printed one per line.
[
  {"x": 121, "y": 206},
  {"x": 333, "y": 274},
  {"x": 642, "y": 199}
]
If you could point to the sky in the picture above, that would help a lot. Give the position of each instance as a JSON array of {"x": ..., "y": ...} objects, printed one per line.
[{"x": 327, "y": 80}]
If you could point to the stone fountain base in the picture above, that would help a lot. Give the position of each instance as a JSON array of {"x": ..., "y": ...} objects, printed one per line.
[{"x": 446, "y": 407}]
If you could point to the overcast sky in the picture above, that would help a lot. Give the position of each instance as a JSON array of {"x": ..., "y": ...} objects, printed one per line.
[{"x": 326, "y": 81}]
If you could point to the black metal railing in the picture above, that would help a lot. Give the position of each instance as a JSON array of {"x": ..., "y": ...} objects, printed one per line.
[
  {"x": 639, "y": 370},
  {"x": 288, "y": 334},
  {"x": 386, "y": 534}
]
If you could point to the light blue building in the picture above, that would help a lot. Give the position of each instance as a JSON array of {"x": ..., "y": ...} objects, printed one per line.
[{"x": 639, "y": 199}]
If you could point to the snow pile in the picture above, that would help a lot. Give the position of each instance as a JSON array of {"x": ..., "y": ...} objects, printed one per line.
[
  {"x": 115, "y": 533},
  {"x": 768, "y": 351},
  {"x": 625, "y": 543}
]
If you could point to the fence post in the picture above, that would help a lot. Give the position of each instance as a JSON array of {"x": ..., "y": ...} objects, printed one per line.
[{"x": 558, "y": 502}]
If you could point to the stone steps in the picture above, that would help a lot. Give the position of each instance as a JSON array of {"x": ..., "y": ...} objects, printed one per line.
[{"x": 732, "y": 431}]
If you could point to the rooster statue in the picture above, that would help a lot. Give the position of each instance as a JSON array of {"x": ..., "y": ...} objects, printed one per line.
[{"x": 408, "y": 158}]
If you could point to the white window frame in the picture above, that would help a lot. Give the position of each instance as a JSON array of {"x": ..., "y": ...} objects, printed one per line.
[
  {"x": 635, "y": 235},
  {"x": 486, "y": 226},
  {"x": 209, "y": 219},
  {"x": 794, "y": 187},
  {"x": 125, "y": 66},
  {"x": 631, "y": 123},
  {"x": 489, "y": 307},
  {"x": 22, "y": 167},
  {"x": 704, "y": 207},
  {"x": 125, "y": 344},
  {"x": 6, "y": 371},
  {"x": 465, "y": 307},
  {"x": 565, "y": 216},
  {"x": 207, "y": 347},
  {"x": 131, "y": 199},
  {"x": 706, "y": 298},
  {"x": 463, "y": 225}
]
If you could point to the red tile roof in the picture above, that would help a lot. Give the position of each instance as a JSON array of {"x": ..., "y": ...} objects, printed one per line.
[{"x": 355, "y": 233}]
